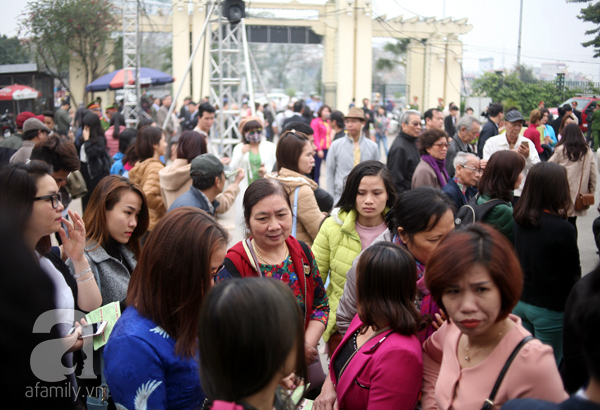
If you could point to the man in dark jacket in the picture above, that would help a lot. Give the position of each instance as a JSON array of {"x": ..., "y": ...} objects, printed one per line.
[
  {"x": 490, "y": 128},
  {"x": 562, "y": 111},
  {"x": 467, "y": 129},
  {"x": 467, "y": 172},
  {"x": 404, "y": 156},
  {"x": 450, "y": 120},
  {"x": 297, "y": 116},
  {"x": 208, "y": 181},
  {"x": 576, "y": 112}
]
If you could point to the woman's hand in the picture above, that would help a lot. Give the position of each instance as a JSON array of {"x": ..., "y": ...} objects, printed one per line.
[
  {"x": 73, "y": 245},
  {"x": 327, "y": 400},
  {"x": 291, "y": 382},
  {"x": 262, "y": 171},
  {"x": 225, "y": 160},
  {"x": 440, "y": 318},
  {"x": 86, "y": 133},
  {"x": 74, "y": 340},
  {"x": 245, "y": 148},
  {"x": 240, "y": 176},
  {"x": 321, "y": 154},
  {"x": 310, "y": 353}
]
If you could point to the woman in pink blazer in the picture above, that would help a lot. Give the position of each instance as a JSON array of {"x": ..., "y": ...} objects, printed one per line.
[
  {"x": 378, "y": 365},
  {"x": 476, "y": 279},
  {"x": 322, "y": 130}
]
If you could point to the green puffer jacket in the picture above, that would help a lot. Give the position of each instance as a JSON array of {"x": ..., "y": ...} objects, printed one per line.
[
  {"x": 335, "y": 248},
  {"x": 500, "y": 217}
]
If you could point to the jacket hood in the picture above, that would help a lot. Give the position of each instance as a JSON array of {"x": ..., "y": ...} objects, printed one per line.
[
  {"x": 292, "y": 179},
  {"x": 140, "y": 168},
  {"x": 175, "y": 175}
]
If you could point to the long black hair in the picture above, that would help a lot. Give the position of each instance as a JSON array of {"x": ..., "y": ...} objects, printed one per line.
[
  {"x": 546, "y": 190},
  {"x": 574, "y": 142},
  {"x": 364, "y": 169},
  {"x": 117, "y": 121},
  {"x": 92, "y": 121}
]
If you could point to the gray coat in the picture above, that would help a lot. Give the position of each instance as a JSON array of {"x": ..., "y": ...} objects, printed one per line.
[
  {"x": 111, "y": 275},
  {"x": 347, "y": 308},
  {"x": 340, "y": 161}
]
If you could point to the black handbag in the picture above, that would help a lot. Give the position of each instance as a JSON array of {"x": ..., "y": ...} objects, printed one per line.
[{"x": 489, "y": 403}]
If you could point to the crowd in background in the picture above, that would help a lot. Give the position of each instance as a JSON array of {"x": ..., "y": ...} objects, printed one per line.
[{"x": 441, "y": 271}]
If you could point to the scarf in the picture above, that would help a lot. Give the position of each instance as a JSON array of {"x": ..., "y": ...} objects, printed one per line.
[
  {"x": 439, "y": 167},
  {"x": 427, "y": 306}
]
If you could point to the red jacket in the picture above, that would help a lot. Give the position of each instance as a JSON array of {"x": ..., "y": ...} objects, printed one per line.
[
  {"x": 302, "y": 266},
  {"x": 533, "y": 134},
  {"x": 386, "y": 373}
]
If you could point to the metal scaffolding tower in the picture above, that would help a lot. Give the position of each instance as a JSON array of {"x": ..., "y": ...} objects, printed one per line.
[
  {"x": 131, "y": 62},
  {"x": 226, "y": 70}
]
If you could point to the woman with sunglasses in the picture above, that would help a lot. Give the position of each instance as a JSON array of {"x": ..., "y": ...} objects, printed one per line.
[
  {"x": 431, "y": 171},
  {"x": 154, "y": 345},
  {"x": 35, "y": 205}
]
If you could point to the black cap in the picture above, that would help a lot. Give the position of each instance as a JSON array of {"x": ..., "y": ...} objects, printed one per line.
[{"x": 513, "y": 116}]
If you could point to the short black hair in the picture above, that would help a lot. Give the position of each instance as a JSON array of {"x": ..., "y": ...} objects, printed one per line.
[
  {"x": 429, "y": 113},
  {"x": 205, "y": 107},
  {"x": 567, "y": 107},
  {"x": 299, "y": 126},
  {"x": 202, "y": 183},
  {"x": 338, "y": 117},
  {"x": 126, "y": 138},
  {"x": 48, "y": 113},
  {"x": 415, "y": 209},
  {"x": 29, "y": 135},
  {"x": 496, "y": 109},
  {"x": 298, "y": 105}
]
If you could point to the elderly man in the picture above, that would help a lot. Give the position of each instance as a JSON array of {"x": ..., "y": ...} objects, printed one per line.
[
  {"x": 467, "y": 129},
  {"x": 467, "y": 172},
  {"x": 513, "y": 141},
  {"x": 34, "y": 131},
  {"x": 404, "y": 155}
]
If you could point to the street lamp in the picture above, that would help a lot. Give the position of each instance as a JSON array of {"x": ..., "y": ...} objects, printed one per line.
[{"x": 234, "y": 10}]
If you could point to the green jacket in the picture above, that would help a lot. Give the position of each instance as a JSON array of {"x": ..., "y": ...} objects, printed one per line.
[
  {"x": 596, "y": 120},
  {"x": 500, "y": 217},
  {"x": 335, "y": 248}
]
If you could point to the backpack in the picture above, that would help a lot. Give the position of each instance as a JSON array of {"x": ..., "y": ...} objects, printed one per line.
[{"x": 471, "y": 212}]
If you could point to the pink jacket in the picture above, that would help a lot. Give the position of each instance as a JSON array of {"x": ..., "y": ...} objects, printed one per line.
[
  {"x": 382, "y": 375},
  {"x": 224, "y": 405},
  {"x": 533, "y": 373},
  {"x": 322, "y": 133}
]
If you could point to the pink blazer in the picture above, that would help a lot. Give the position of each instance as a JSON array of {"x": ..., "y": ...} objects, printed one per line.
[
  {"x": 322, "y": 133},
  {"x": 380, "y": 376},
  {"x": 533, "y": 373}
]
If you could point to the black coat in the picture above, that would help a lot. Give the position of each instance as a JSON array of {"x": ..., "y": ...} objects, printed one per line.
[
  {"x": 403, "y": 158},
  {"x": 453, "y": 191},
  {"x": 449, "y": 126},
  {"x": 489, "y": 129}
]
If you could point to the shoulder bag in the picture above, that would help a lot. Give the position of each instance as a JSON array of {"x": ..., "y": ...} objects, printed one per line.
[
  {"x": 489, "y": 403},
  {"x": 583, "y": 201}
]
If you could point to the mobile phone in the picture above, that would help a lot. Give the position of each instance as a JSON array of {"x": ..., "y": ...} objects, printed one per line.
[
  {"x": 89, "y": 330},
  {"x": 524, "y": 144},
  {"x": 232, "y": 173}
]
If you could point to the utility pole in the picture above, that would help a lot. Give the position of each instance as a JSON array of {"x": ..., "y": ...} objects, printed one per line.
[{"x": 520, "y": 29}]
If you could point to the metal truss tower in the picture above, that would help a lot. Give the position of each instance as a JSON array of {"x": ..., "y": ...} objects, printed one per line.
[
  {"x": 131, "y": 61},
  {"x": 226, "y": 72}
]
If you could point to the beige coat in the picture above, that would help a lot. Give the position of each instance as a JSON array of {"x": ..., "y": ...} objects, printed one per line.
[
  {"x": 309, "y": 214},
  {"x": 574, "y": 170},
  {"x": 145, "y": 174},
  {"x": 175, "y": 180}
]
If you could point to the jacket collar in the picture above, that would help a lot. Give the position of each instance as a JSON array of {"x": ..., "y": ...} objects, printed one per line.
[
  {"x": 407, "y": 137},
  {"x": 204, "y": 199},
  {"x": 99, "y": 255}
]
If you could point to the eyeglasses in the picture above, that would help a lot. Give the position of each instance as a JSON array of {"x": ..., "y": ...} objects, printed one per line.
[
  {"x": 54, "y": 198},
  {"x": 441, "y": 144},
  {"x": 476, "y": 170},
  {"x": 216, "y": 272},
  {"x": 415, "y": 124}
]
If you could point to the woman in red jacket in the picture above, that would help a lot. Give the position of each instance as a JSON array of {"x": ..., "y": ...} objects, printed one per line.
[
  {"x": 379, "y": 364},
  {"x": 322, "y": 137}
]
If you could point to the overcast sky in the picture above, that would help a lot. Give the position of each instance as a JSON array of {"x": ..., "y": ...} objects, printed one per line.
[{"x": 551, "y": 30}]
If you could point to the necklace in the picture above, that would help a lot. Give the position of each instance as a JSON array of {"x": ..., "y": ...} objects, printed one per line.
[
  {"x": 263, "y": 259},
  {"x": 468, "y": 358}
]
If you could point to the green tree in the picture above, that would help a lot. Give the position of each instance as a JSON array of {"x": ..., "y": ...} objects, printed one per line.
[
  {"x": 398, "y": 51},
  {"x": 591, "y": 14},
  {"x": 11, "y": 51},
  {"x": 59, "y": 30}
]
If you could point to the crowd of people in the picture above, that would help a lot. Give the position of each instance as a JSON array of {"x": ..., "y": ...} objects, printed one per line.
[{"x": 446, "y": 275}]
